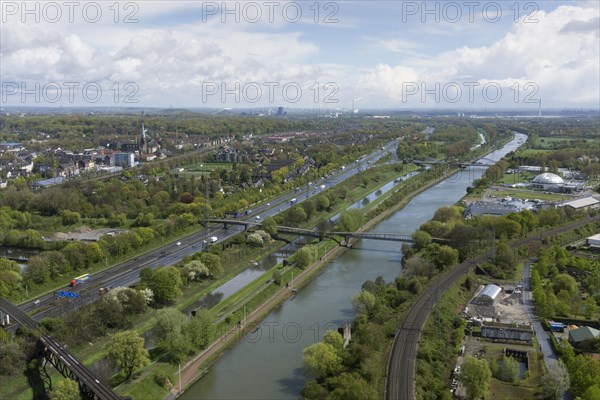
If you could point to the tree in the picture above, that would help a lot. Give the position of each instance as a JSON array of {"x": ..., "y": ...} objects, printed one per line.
[
  {"x": 126, "y": 350},
  {"x": 295, "y": 215},
  {"x": 446, "y": 214},
  {"x": 364, "y": 302},
  {"x": 67, "y": 389},
  {"x": 564, "y": 282},
  {"x": 199, "y": 329},
  {"x": 270, "y": 225},
  {"x": 350, "y": 220},
  {"x": 166, "y": 285},
  {"x": 12, "y": 356},
  {"x": 313, "y": 391},
  {"x": 277, "y": 277},
  {"x": 351, "y": 386},
  {"x": 418, "y": 266},
  {"x": 169, "y": 323},
  {"x": 556, "y": 382},
  {"x": 212, "y": 262},
  {"x": 196, "y": 270},
  {"x": 254, "y": 239},
  {"x": 335, "y": 340},
  {"x": 321, "y": 360},
  {"x": 508, "y": 369},
  {"x": 303, "y": 257},
  {"x": 475, "y": 375},
  {"x": 446, "y": 257},
  {"x": 322, "y": 202},
  {"x": 592, "y": 393},
  {"x": 421, "y": 239},
  {"x": 10, "y": 278}
]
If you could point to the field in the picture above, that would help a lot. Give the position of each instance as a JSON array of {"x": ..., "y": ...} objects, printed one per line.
[
  {"x": 199, "y": 169},
  {"x": 553, "y": 142},
  {"x": 519, "y": 177}
]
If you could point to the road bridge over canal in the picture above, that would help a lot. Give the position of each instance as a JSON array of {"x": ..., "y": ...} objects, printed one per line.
[{"x": 394, "y": 237}]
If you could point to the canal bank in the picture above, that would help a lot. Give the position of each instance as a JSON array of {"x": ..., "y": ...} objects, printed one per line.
[
  {"x": 267, "y": 363},
  {"x": 192, "y": 371}
]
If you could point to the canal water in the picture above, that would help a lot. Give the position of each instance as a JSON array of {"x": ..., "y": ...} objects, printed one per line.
[{"x": 267, "y": 364}]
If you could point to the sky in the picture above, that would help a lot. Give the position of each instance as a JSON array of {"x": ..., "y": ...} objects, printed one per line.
[{"x": 465, "y": 55}]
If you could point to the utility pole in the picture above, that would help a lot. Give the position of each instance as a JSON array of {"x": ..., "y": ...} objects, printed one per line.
[{"x": 205, "y": 211}]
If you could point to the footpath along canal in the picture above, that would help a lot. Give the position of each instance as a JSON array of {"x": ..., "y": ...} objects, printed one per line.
[{"x": 267, "y": 363}]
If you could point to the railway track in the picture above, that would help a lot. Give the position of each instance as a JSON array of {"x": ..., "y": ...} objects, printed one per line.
[{"x": 400, "y": 380}]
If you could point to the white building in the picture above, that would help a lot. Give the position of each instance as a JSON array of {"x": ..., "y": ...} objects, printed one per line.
[
  {"x": 582, "y": 204},
  {"x": 593, "y": 242},
  {"x": 488, "y": 295}
]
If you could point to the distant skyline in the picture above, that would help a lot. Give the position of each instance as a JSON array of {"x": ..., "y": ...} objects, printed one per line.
[{"x": 308, "y": 54}]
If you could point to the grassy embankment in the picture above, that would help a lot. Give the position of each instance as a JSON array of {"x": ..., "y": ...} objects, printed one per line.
[{"x": 235, "y": 259}]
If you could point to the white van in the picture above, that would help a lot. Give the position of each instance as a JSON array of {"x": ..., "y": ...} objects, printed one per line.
[{"x": 213, "y": 239}]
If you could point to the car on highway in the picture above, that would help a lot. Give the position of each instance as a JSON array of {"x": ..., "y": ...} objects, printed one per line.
[
  {"x": 213, "y": 239},
  {"x": 36, "y": 302},
  {"x": 178, "y": 243},
  {"x": 257, "y": 217}
]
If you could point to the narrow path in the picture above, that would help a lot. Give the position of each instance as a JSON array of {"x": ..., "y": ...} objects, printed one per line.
[
  {"x": 543, "y": 337},
  {"x": 400, "y": 380},
  {"x": 189, "y": 372}
]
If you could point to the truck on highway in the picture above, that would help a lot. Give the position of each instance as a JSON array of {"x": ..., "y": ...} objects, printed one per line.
[
  {"x": 292, "y": 201},
  {"x": 80, "y": 279}
]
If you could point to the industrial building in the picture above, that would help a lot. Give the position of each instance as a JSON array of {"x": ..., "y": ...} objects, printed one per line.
[
  {"x": 593, "y": 242},
  {"x": 495, "y": 208},
  {"x": 507, "y": 334},
  {"x": 585, "y": 203},
  {"x": 488, "y": 295}
]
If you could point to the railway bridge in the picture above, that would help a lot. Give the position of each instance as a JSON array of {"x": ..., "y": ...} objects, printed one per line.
[{"x": 64, "y": 362}]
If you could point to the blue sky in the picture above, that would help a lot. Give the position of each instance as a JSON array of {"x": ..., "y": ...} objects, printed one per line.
[{"x": 390, "y": 54}]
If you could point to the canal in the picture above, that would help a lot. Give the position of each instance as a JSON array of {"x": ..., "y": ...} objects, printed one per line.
[{"x": 267, "y": 364}]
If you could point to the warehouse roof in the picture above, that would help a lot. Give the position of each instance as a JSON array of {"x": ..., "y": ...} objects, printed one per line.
[
  {"x": 491, "y": 291},
  {"x": 580, "y": 203}
]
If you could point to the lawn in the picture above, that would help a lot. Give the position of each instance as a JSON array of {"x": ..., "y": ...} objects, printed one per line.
[
  {"x": 533, "y": 152},
  {"x": 199, "y": 169},
  {"x": 519, "y": 177},
  {"x": 552, "y": 142}
]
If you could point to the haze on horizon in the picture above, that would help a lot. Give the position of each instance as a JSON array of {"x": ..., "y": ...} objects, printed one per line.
[{"x": 329, "y": 54}]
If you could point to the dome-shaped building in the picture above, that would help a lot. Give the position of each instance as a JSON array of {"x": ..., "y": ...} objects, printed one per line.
[
  {"x": 547, "y": 181},
  {"x": 548, "y": 178}
]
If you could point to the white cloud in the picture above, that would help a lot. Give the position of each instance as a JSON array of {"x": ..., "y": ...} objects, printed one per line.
[
  {"x": 562, "y": 61},
  {"x": 170, "y": 60}
]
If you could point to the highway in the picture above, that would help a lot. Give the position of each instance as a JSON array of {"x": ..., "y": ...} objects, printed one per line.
[
  {"x": 127, "y": 273},
  {"x": 400, "y": 384}
]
